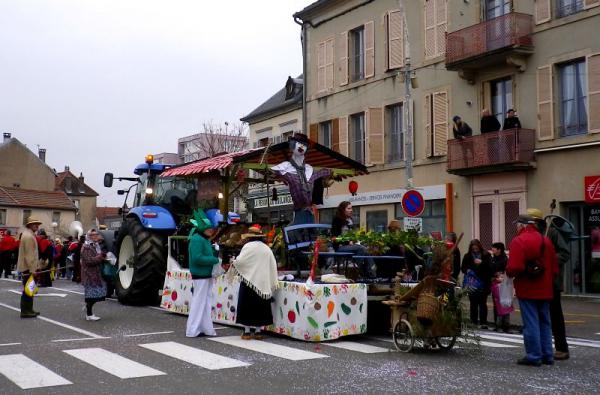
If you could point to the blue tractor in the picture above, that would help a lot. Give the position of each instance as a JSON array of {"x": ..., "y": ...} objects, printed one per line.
[{"x": 159, "y": 205}]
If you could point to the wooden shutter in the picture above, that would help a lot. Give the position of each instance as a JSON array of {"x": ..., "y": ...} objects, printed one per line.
[
  {"x": 321, "y": 67},
  {"x": 590, "y": 3},
  {"x": 335, "y": 135},
  {"x": 545, "y": 123},
  {"x": 543, "y": 11},
  {"x": 343, "y": 58},
  {"x": 369, "y": 49},
  {"x": 440, "y": 123},
  {"x": 427, "y": 124},
  {"x": 329, "y": 64},
  {"x": 343, "y": 136},
  {"x": 429, "y": 29},
  {"x": 441, "y": 19},
  {"x": 375, "y": 137},
  {"x": 593, "y": 94},
  {"x": 313, "y": 132},
  {"x": 395, "y": 31}
]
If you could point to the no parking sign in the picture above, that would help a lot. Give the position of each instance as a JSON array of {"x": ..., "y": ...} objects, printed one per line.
[{"x": 413, "y": 203}]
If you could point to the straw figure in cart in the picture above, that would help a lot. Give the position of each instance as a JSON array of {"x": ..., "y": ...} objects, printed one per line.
[
  {"x": 257, "y": 268},
  {"x": 306, "y": 186},
  {"x": 202, "y": 259}
]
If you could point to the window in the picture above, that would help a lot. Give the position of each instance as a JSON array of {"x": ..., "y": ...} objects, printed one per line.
[
  {"x": 573, "y": 103},
  {"x": 56, "y": 217},
  {"x": 26, "y": 215},
  {"x": 357, "y": 137},
  {"x": 2, "y": 216},
  {"x": 357, "y": 54},
  {"x": 263, "y": 142},
  {"x": 286, "y": 136},
  {"x": 434, "y": 215},
  {"x": 502, "y": 98},
  {"x": 325, "y": 134},
  {"x": 496, "y": 8},
  {"x": 395, "y": 134},
  {"x": 568, "y": 7},
  {"x": 377, "y": 220}
]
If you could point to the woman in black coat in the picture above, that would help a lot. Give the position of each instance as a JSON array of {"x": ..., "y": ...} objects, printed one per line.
[{"x": 479, "y": 261}]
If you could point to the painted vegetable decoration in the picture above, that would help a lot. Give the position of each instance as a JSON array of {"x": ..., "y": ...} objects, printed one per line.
[
  {"x": 346, "y": 309},
  {"x": 330, "y": 307},
  {"x": 292, "y": 316},
  {"x": 312, "y": 322}
]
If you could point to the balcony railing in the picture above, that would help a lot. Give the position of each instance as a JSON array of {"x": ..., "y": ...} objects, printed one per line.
[
  {"x": 512, "y": 30},
  {"x": 504, "y": 150}
]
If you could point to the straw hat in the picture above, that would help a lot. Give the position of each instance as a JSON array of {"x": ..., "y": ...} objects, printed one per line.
[
  {"x": 33, "y": 221},
  {"x": 535, "y": 213},
  {"x": 254, "y": 232}
]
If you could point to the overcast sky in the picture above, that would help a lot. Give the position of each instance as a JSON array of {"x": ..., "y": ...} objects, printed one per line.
[{"x": 101, "y": 83}]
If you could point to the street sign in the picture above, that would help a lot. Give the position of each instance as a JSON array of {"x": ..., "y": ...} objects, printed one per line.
[
  {"x": 413, "y": 203},
  {"x": 592, "y": 189},
  {"x": 413, "y": 223}
]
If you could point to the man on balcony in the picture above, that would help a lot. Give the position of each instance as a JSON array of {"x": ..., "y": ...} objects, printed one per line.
[
  {"x": 511, "y": 121},
  {"x": 489, "y": 123}
]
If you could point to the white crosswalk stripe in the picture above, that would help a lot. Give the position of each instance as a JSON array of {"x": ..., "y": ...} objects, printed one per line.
[
  {"x": 28, "y": 374},
  {"x": 358, "y": 347},
  {"x": 264, "y": 347},
  {"x": 113, "y": 363},
  {"x": 194, "y": 356}
]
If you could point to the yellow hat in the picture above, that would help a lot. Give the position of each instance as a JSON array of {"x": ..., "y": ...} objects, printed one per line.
[
  {"x": 535, "y": 213},
  {"x": 33, "y": 221}
]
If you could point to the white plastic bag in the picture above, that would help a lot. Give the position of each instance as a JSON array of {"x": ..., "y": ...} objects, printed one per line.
[
  {"x": 506, "y": 291},
  {"x": 217, "y": 270}
]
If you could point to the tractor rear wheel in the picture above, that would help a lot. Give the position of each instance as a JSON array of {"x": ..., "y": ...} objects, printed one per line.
[{"x": 142, "y": 262}]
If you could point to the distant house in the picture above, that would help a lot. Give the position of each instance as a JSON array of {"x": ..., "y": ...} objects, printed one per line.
[
  {"x": 82, "y": 195},
  {"x": 167, "y": 158},
  {"x": 109, "y": 217},
  {"x": 21, "y": 168},
  {"x": 53, "y": 208}
]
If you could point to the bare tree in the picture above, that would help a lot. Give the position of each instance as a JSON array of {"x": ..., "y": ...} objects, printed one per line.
[{"x": 217, "y": 139}]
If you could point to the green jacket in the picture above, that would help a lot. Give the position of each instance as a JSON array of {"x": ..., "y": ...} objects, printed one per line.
[{"x": 201, "y": 257}]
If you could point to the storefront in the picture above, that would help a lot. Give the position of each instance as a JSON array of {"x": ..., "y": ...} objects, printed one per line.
[{"x": 264, "y": 209}]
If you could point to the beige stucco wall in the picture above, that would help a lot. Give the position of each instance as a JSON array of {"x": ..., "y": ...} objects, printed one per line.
[
  {"x": 275, "y": 123},
  {"x": 14, "y": 219},
  {"x": 87, "y": 211},
  {"x": 20, "y": 166}
]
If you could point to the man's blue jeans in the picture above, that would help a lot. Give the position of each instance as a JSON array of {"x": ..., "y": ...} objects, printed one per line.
[{"x": 537, "y": 329}]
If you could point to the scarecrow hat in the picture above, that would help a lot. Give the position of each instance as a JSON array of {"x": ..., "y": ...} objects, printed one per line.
[
  {"x": 200, "y": 221},
  {"x": 33, "y": 221},
  {"x": 254, "y": 232},
  {"x": 301, "y": 138}
]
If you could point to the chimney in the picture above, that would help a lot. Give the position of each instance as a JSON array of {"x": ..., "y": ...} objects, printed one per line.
[
  {"x": 66, "y": 168},
  {"x": 42, "y": 154},
  {"x": 6, "y": 137},
  {"x": 81, "y": 177}
]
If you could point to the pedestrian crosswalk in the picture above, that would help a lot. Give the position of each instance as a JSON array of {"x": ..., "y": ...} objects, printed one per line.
[{"x": 26, "y": 373}]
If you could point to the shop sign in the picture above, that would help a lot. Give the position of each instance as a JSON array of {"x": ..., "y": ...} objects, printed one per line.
[
  {"x": 592, "y": 189},
  {"x": 383, "y": 197},
  {"x": 263, "y": 202},
  {"x": 412, "y": 223}
]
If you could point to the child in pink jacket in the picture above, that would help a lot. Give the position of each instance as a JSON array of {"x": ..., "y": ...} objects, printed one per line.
[{"x": 503, "y": 313}]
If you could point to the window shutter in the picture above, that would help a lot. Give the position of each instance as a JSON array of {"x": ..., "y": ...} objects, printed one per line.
[
  {"x": 344, "y": 58},
  {"x": 542, "y": 11},
  {"x": 313, "y": 132},
  {"x": 335, "y": 135},
  {"x": 395, "y": 32},
  {"x": 593, "y": 94},
  {"x": 440, "y": 123},
  {"x": 369, "y": 49},
  {"x": 375, "y": 137},
  {"x": 329, "y": 64},
  {"x": 545, "y": 124},
  {"x": 427, "y": 124},
  {"x": 429, "y": 29},
  {"x": 343, "y": 136},
  {"x": 441, "y": 18},
  {"x": 321, "y": 67},
  {"x": 590, "y": 3}
]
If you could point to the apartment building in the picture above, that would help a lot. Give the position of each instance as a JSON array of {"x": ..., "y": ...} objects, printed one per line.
[
  {"x": 274, "y": 121},
  {"x": 540, "y": 57}
]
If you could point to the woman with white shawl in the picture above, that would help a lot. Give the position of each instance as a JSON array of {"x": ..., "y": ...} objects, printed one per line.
[{"x": 257, "y": 268}]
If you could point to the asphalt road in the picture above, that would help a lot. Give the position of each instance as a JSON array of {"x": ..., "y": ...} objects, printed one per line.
[{"x": 141, "y": 350}]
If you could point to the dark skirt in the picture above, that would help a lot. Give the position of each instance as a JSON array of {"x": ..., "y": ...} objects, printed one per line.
[{"x": 252, "y": 310}]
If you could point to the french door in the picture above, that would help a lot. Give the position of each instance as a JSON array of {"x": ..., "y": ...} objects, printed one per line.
[{"x": 494, "y": 217}]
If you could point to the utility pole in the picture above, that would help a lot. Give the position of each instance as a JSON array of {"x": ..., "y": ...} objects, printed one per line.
[{"x": 408, "y": 143}]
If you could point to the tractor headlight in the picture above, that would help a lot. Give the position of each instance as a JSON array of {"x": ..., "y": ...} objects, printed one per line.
[{"x": 149, "y": 191}]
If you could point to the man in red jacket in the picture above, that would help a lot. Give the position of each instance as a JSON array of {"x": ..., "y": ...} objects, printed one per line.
[
  {"x": 8, "y": 245},
  {"x": 534, "y": 291}
]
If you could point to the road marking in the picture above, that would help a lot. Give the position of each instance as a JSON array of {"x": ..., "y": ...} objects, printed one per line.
[
  {"x": 570, "y": 340},
  {"x": 67, "y": 326},
  {"x": 486, "y": 343},
  {"x": 148, "y": 334},
  {"x": 79, "y": 339},
  {"x": 113, "y": 363},
  {"x": 501, "y": 338},
  {"x": 67, "y": 290},
  {"x": 27, "y": 374},
  {"x": 355, "y": 346},
  {"x": 276, "y": 350},
  {"x": 195, "y": 356},
  {"x": 39, "y": 294},
  {"x": 9, "y": 344},
  {"x": 11, "y": 281}
]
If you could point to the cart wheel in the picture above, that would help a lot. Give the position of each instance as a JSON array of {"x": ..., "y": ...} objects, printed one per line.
[
  {"x": 403, "y": 335},
  {"x": 445, "y": 343}
]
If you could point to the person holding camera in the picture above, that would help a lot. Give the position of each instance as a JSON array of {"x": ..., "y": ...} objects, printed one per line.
[
  {"x": 94, "y": 286},
  {"x": 533, "y": 265}
]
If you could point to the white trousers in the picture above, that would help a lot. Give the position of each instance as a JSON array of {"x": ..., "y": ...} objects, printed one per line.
[{"x": 199, "y": 320}]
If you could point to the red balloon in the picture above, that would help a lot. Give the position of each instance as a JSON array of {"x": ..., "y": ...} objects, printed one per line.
[{"x": 353, "y": 187}]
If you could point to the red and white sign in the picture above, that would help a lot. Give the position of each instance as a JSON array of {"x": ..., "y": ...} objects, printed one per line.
[{"x": 592, "y": 189}]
